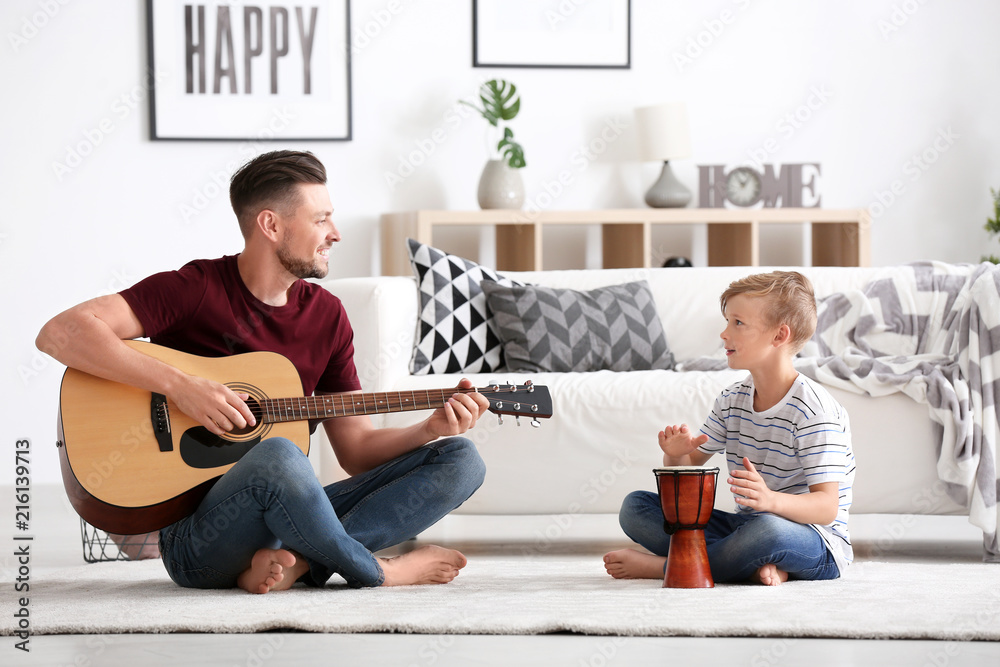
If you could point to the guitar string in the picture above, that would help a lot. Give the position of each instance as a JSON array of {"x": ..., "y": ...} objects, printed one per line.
[{"x": 369, "y": 400}]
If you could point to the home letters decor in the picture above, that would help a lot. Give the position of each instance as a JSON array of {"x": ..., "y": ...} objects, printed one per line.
[{"x": 773, "y": 186}]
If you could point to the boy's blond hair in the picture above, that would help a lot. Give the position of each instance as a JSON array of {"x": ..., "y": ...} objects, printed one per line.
[{"x": 789, "y": 299}]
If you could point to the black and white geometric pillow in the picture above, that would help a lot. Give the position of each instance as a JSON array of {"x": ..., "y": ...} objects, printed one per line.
[{"x": 455, "y": 331}]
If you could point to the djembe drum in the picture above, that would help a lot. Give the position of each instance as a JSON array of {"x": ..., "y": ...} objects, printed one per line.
[{"x": 687, "y": 496}]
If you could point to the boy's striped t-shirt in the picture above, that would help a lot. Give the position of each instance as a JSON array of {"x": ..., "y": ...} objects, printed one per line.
[{"x": 802, "y": 440}]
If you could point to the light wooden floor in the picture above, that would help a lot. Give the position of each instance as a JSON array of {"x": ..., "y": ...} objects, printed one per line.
[{"x": 57, "y": 544}]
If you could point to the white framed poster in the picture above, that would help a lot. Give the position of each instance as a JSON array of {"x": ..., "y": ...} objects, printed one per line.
[
  {"x": 551, "y": 33},
  {"x": 250, "y": 71}
]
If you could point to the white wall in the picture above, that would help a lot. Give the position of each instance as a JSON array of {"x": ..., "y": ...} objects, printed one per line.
[{"x": 894, "y": 75}]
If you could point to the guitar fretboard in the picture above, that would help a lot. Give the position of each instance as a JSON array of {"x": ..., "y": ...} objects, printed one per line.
[{"x": 327, "y": 406}]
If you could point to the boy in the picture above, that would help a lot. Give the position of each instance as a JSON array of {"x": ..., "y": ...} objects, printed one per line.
[{"x": 787, "y": 445}]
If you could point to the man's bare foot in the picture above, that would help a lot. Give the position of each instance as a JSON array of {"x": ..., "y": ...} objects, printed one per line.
[
  {"x": 770, "y": 575},
  {"x": 427, "y": 565},
  {"x": 632, "y": 564},
  {"x": 272, "y": 570}
]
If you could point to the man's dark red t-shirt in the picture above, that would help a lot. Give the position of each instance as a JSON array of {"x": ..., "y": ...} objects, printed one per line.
[{"x": 207, "y": 310}]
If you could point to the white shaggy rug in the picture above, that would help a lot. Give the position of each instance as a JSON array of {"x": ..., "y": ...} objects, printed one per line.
[{"x": 517, "y": 595}]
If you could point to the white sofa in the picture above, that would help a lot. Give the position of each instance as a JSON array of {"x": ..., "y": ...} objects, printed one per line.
[{"x": 601, "y": 442}]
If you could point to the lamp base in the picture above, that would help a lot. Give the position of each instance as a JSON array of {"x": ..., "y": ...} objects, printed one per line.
[{"x": 667, "y": 191}]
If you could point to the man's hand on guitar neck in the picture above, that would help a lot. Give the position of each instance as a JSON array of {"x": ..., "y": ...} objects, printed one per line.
[
  {"x": 360, "y": 447},
  {"x": 458, "y": 415}
]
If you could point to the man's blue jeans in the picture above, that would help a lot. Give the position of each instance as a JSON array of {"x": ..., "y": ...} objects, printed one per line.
[
  {"x": 738, "y": 544},
  {"x": 271, "y": 498}
]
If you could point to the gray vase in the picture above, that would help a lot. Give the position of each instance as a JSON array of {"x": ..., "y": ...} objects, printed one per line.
[{"x": 500, "y": 186}]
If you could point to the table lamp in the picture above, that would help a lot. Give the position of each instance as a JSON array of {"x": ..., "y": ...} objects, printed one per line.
[{"x": 663, "y": 134}]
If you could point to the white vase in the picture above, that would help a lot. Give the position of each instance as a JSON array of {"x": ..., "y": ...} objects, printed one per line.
[{"x": 500, "y": 186}]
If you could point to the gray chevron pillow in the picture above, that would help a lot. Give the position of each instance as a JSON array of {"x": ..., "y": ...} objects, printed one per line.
[{"x": 544, "y": 329}]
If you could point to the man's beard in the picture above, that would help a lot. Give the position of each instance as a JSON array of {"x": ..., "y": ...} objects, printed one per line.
[{"x": 301, "y": 268}]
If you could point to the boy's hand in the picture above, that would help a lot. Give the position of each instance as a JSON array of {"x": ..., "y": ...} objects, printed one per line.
[
  {"x": 749, "y": 488},
  {"x": 676, "y": 441}
]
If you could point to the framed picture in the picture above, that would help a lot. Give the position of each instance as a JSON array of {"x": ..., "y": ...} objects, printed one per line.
[
  {"x": 278, "y": 71},
  {"x": 551, "y": 33}
]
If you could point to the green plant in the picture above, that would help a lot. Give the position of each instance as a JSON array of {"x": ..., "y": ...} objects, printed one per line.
[
  {"x": 993, "y": 224},
  {"x": 501, "y": 103}
]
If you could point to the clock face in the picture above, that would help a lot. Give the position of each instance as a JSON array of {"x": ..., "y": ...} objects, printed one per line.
[{"x": 743, "y": 186}]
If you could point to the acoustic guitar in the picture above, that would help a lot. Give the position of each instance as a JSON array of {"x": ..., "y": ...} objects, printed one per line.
[{"x": 133, "y": 463}]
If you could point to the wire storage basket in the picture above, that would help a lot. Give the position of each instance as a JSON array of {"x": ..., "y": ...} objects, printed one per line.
[{"x": 99, "y": 546}]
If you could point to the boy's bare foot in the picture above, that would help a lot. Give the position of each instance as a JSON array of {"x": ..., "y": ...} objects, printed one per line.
[
  {"x": 427, "y": 565},
  {"x": 272, "y": 570},
  {"x": 770, "y": 575},
  {"x": 632, "y": 564}
]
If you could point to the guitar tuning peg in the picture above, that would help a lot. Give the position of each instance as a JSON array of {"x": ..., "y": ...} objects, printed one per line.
[
  {"x": 500, "y": 420},
  {"x": 536, "y": 423},
  {"x": 517, "y": 420}
]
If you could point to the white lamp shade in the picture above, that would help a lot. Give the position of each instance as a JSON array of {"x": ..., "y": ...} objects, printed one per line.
[{"x": 663, "y": 132}]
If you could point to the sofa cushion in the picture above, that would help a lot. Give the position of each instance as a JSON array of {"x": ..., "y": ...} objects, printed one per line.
[
  {"x": 455, "y": 333},
  {"x": 545, "y": 329}
]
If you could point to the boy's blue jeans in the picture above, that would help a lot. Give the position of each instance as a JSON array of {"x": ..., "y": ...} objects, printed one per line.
[
  {"x": 738, "y": 544},
  {"x": 271, "y": 498}
]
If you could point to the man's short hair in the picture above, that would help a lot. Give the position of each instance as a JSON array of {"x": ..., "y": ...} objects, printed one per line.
[
  {"x": 789, "y": 299},
  {"x": 269, "y": 181}
]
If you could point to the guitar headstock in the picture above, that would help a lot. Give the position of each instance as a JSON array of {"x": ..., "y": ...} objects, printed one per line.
[{"x": 527, "y": 400}]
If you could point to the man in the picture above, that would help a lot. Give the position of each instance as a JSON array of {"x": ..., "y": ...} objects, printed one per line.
[{"x": 267, "y": 522}]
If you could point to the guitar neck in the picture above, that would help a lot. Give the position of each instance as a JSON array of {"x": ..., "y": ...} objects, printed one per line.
[{"x": 328, "y": 406}]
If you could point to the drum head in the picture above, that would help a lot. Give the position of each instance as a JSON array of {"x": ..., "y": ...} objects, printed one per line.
[{"x": 683, "y": 470}]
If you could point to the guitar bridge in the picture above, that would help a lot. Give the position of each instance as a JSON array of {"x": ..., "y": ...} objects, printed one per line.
[{"x": 159, "y": 416}]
